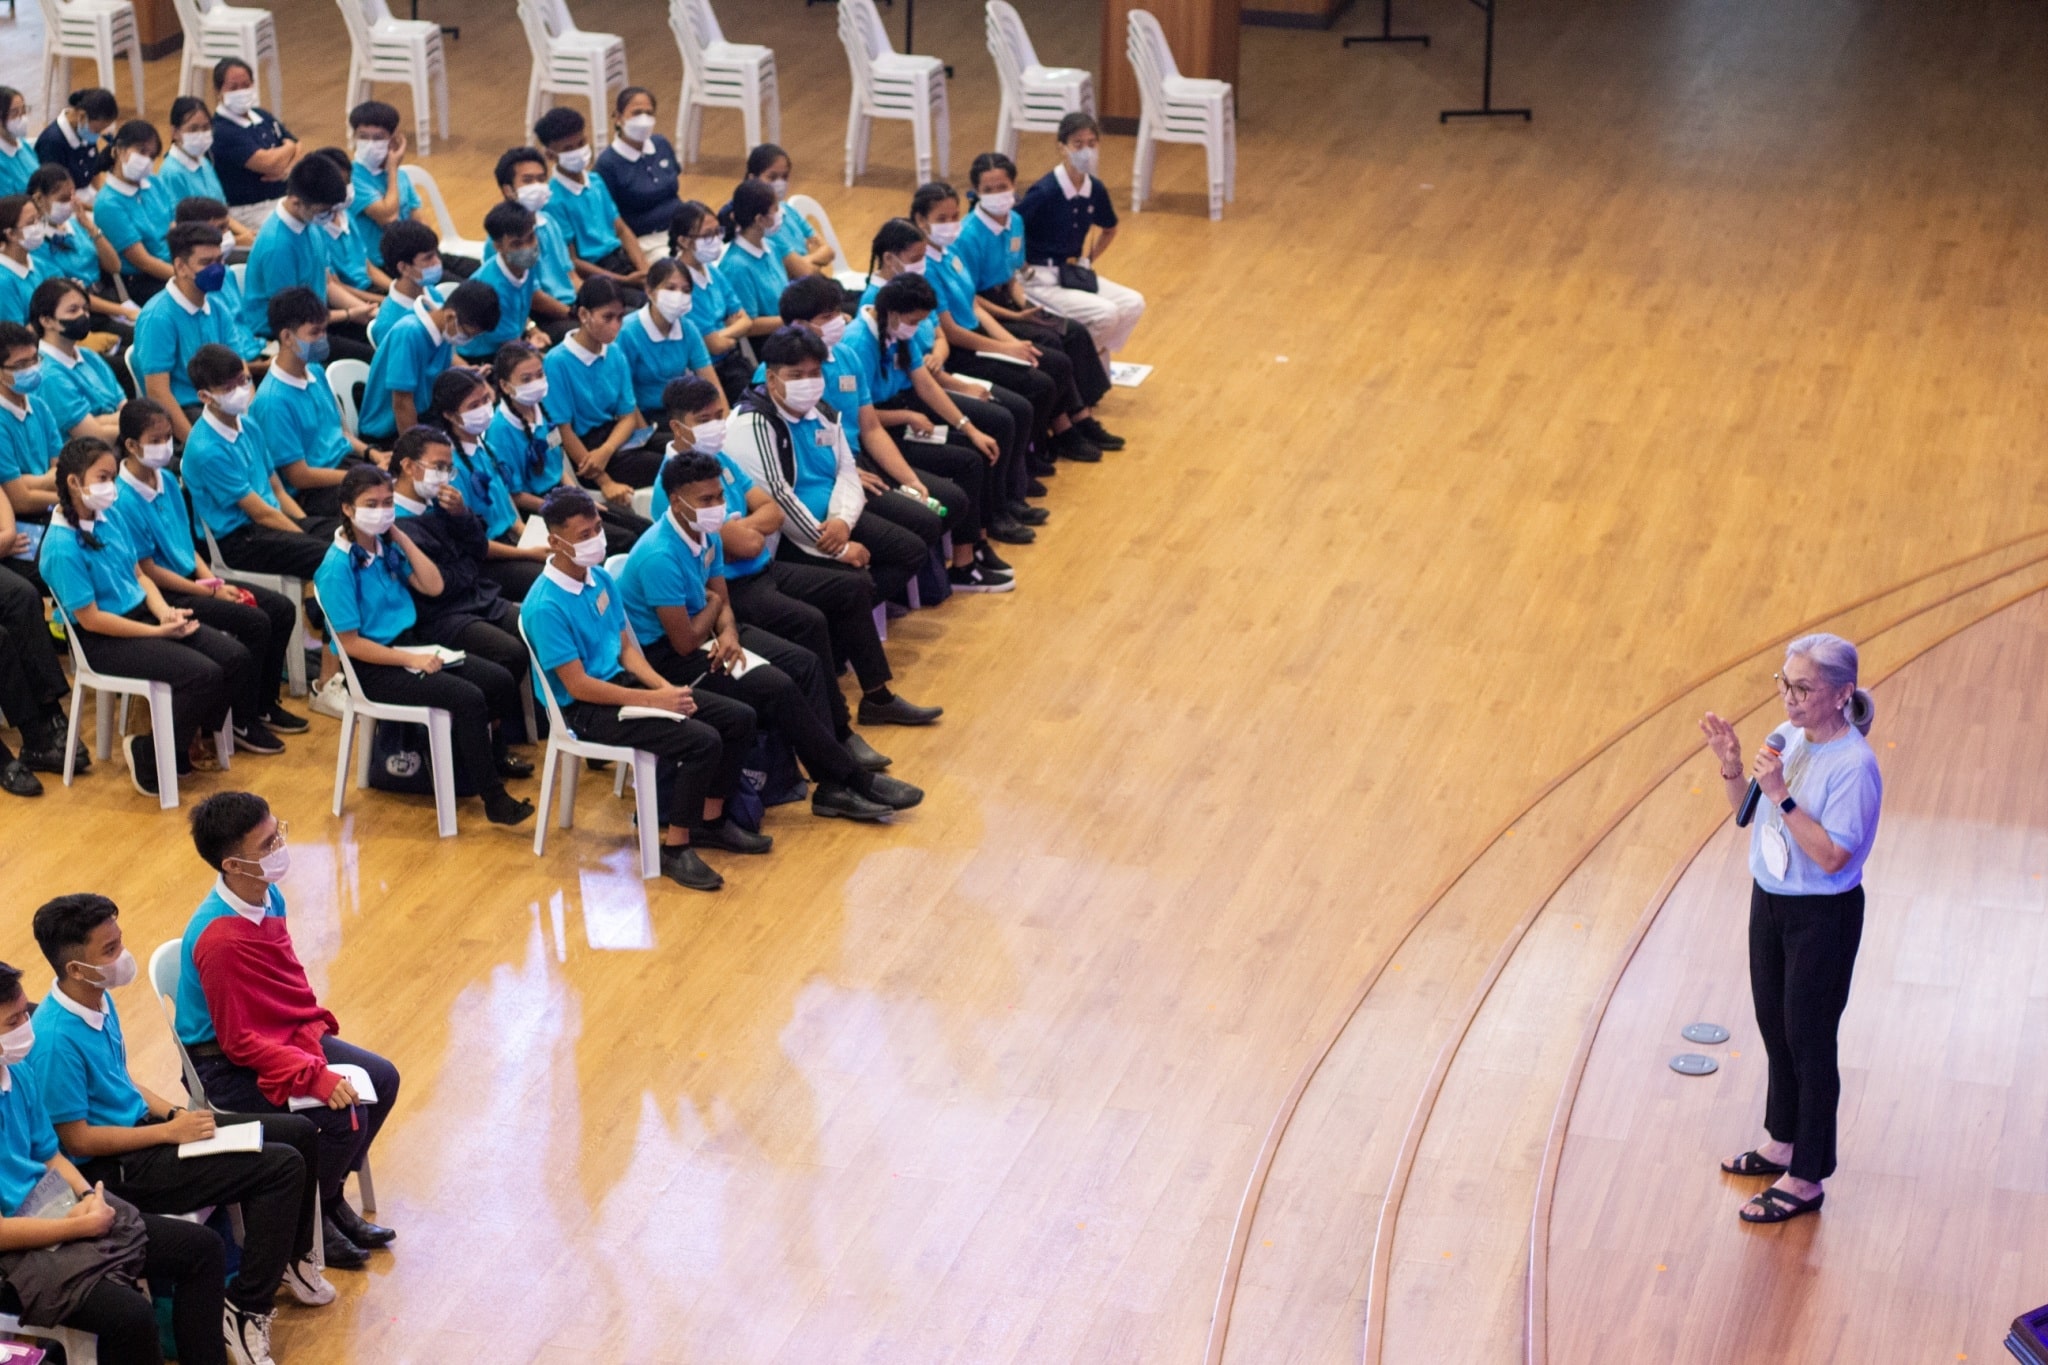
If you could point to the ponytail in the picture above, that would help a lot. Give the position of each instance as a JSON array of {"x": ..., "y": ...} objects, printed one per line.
[{"x": 1860, "y": 711}]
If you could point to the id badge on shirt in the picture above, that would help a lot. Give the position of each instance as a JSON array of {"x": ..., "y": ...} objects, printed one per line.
[
  {"x": 1777, "y": 853},
  {"x": 822, "y": 436},
  {"x": 604, "y": 602}
]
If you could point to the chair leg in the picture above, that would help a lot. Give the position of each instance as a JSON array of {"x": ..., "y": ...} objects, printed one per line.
[
  {"x": 565, "y": 798},
  {"x": 750, "y": 109},
  {"x": 774, "y": 111},
  {"x": 224, "y": 742},
  {"x": 619, "y": 771},
  {"x": 441, "y": 754},
  {"x": 921, "y": 141},
  {"x": 533, "y": 93},
  {"x": 440, "y": 78},
  {"x": 135, "y": 75},
  {"x": 422, "y": 125},
  {"x": 547, "y": 790},
  {"x": 366, "y": 1187},
  {"x": 343, "y": 754},
  {"x": 882, "y": 623},
  {"x": 71, "y": 732},
  {"x": 1006, "y": 132},
  {"x": 273, "y": 64},
  {"x": 165, "y": 739},
  {"x": 295, "y": 653},
  {"x": 103, "y": 736},
  {"x": 853, "y": 121},
  {"x": 942, "y": 130},
  {"x": 366, "y": 740},
  {"x": 647, "y": 805}
]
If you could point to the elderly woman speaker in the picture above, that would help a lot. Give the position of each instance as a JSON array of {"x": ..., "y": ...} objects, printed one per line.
[{"x": 1815, "y": 791}]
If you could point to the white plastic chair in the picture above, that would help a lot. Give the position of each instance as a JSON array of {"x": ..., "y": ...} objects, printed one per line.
[
  {"x": 1034, "y": 97},
  {"x": 106, "y": 687},
  {"x": 292, "y": 588},
  {"x": 562, "y": 765},
  {"x": 888, "y": 84},
  {"x": 342, "y": 378},
  {"x": 1177, "y": 108},
  {"x": 571, "y": 61},
  {"x": 452, "y": 241},
  {"x": 853, "y": 280},
  {"x": 80, "y": 1348},
  {"x": 440, "y": 741},
  {"x": 721, "y": 75},
  {"x": 401, "y": 52},
  {"x": 213, "y": 31},
  {"x": 95, "y": 30}
]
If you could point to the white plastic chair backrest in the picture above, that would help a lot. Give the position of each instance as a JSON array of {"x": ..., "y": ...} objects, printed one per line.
[
  {"x": 538, "y": 39},
  {"x": 166, "y": 969},
  {"x": 867, "y": 21},
  {"x": 358, "y": 24},
  {"x": 689, "y": 38},
  {"x": 348, "y": 667},
  {"x": 1009, "y": 67},
  {"x": 614, "y": 564},
  {"x": 423, "y": 181},
  {"x": 708, "y": 31},
  {"x": 79, "y": 667},
  {"x": 537, "y": 677},
  {"x": 821, "y": 220},
  {"x": 375, "y": 12},
  {"x": 852, "y": 36},
  {"x": 1150, "y": 56},
  {"x": 53, "y": 14},
  {"x": 1004, "y": 20},
  {"x": 342, "y": 378},
  {"x": 191, "y": 18}
]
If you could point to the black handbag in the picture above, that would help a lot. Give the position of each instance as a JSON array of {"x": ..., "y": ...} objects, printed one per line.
[{"x": 1074, "y": 275}]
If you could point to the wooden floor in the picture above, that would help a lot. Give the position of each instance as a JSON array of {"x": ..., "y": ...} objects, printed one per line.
[{"x": 1467, "y": 445}]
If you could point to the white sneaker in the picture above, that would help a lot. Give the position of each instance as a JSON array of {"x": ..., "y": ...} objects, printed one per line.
[
  {"x": 328, "y": 701},
  {"x": 308, "y": 1285},
  {"x": 248, "y": 1336}
]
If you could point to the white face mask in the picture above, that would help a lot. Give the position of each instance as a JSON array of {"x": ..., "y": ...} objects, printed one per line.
[
  {"x": 227, "y": 242},
  {"x": 781, "y": 188},
  {"x": 903, "y": 331},
  {"x": 574, "y": 160},
  {"x": 534, "y": 198},
  {"x": 708, "y": 437},
  {"x": 272, "y": 866},
  {"x": 430, "y": 483},
  {"x": 998, "y": 206},
  {"x": 774, "y": 224},
  {"x": 915, "y": 267},
  {"x": 100, "y": 496},
  {"x": 59, "y": 213},
  {"x": 239, "y": 102},
  {"x": 158, "y": 455},
  {"x": 708, "y": 519},
  {"x": 708, "y": 249},
  {"x": 15, "y": 1043},
  {"x": 474, "y": 420},
  {"x": 638, "y": 127},
  {"x": 943, "y": 234},
  {"x": 235, "y": 401},
  {"x": 34, "y": 235},
  {"x": 532, "y": 393},
  {"x": 135, "y": 168},
  {"x": 673, "y": 303},
  {"x": 371, "y": 154},
  {"x": 833, "y": 330},
  {"x": 17, "y": 128},
  {"x": 335, "y": 223},
  {"x": 1083, "y": 159},
  {"x": 198, "y": 144},
  {"x": 374, "y": 521},
  {"x": 801, "y": 395},
  {"x": 588, "y": 553},
  {"x": 116, "y": 974}
]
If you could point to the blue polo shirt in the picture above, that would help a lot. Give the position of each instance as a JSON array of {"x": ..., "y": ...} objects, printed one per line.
[
  {"x": 16, "y": 167},
  {"x": 588, "y": 217},
  {"x": 155, "y": 521},
  {"x": 875, "y": 360},
  {"x": 515, "y": 308},
  {"x": 666, "y": 570},
  {"x": 287, "y": 254},
  {"x": 77, "y": 387},
  {"x": 233, "y": 144},
  {"x": 195, "y": 1017},
  {"x": 246, "y": 344},
  {"x": 127, "y": 215},
  {"x": 80, "y": 576},
  {"x": 169, "y": 330},
  {"x": 756, "y": 277},
  {"x": 484, "y": 488},
  {"x": 992, "y": 253},
  {"x": 366, "y": 188},
  {"x": 220, "y": 470},
  {"x": 530, "y": 460},
  {"x": 846, "y": 387},
  {"x": 300, "y": 419},
  {"x": 68, "y": 251},
  {"x": 18, "y": 286},
  {"x": 185, "y": 178},
  {"x": 712, "y": 302},
  {"x": 366, "y": 593},
  {"x": 586, "y": 390},
  {"x": 29, "y": 441},
  {"x": 394, "y": 308},
  {"x": 954, "y": 286},
  {"x": 412, "y": 357},
  {"x": 566, "y": 620},
  {"x": 80, "y": 1063},
  {"x": 345, "y": 257},
  {"x": 657, "y": 352},
  {"x": 793, "y": 234},
  {"x": 737, "y": 485},
  {"x": 642, "y": 187},
  {"x": 27, "y": 1141}
]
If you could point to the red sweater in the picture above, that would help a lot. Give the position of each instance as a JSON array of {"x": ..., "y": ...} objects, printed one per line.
[{"x": 265, "y": 1014}]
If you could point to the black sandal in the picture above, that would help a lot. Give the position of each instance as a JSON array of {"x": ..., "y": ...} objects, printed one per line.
[
  {"x": 1753, "y": 1163},
  {"x": 1777, "y": 1206}
]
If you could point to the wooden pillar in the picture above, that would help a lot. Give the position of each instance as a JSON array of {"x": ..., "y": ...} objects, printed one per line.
[
  {"x": 1202, "y": 34},
  {"x": 156, "y": 25}
]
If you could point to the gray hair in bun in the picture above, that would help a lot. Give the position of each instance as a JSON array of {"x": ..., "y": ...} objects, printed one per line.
[{"x": 1835, "y": 660}]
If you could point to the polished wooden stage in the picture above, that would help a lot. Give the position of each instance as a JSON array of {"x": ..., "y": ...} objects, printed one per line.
[{"x": 1288, "y": 827}]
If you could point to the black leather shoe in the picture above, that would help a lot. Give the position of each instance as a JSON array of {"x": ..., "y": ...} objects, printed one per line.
[
  {"x": 844, "y": 803},
  {"x": 1026, "y": 513},
  {"x": 46, "y": 757},
  {"x": 894, "y": 792},
  {"x": 865, "y": 754},
  {"x": 731, "y": 837},
  {"x": 341, "y": 1253},
  {"x": 502, "y": 808},
  {"x": 1099, "y": 434},
  {"x": 1043, "y": 467},
  {"x": 682, "y": 866},
  {"x": 512, "y": 765},
  {"x": 359, "y": 1229},
  {"x": 1010, "y": 531},
  {"x": 1072, "y": 445},
  {"x": 17, "y": 780},
  {"x": 897, "y": 711},
  {"x": 1036, "y": 489}
]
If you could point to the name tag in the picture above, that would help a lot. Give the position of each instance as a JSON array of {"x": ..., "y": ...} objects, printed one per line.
[
  {"x": 1016, "y": 244},
  {"x": 822, "y": 436},
  {"x": 847, "y": 383},
  {"x": 604, "y": 603}
]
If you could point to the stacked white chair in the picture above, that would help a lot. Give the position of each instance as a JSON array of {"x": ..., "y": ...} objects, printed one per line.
[
  {"x": 562, "y": 765},
  {"x": 106, "y": 687},
  {"x": 1034, "y": 97},
  {"x": 213, "y": 31},
  {"x": 358, "y": 713},
  {"x": 889, "y": 84},
  {"x": 568, "y": 60},
  {"x": 401, "y": 52},
  {"x": 721, "y": 75},
  {"x": 1177, "y": 108},
  {"x": 89, "y": 30}
]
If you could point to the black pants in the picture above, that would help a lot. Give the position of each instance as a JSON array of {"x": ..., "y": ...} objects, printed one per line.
[
  {"x": 349, "y": 341},
  {"x": 787, "y": 696},
  {"x": 690, "y": 758},
  {"x": 295, "y": 554},
  {"x": 345, "y": 1135},
  {"x": 141, "y": 288},
  {"x": 183, "y": 1259},
  {"x": 735, "y": 373},
  {"x": 475, "y": 693},
  {"x": 27, "y": 572},
  {"x": 976, "y": 478},
  {"x": 207, "y": 671},
  {"x": 634, "y": 464},
  {"x": 828, "y": 613},
  {"x": 498, "y": 642},
  {"x": 32, "y": 682},
  {"x": 274, "y": 1187},
  {"x": 265, "y": 630},
  {"x": 1070, "y": 339},
  {"x": 894, "y": 555},
  {"x": 1802, "y": 954},
  {"x": 1033, "y": 384},
  {"x": 515, "y": 577},
  {"x": 913, "y": 516}
]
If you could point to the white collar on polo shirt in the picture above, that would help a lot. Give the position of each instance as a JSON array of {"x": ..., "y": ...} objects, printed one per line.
[
  {"x": 248, "y": 120},
  {"x": 142, "y": 490},
  {"x": 291, "y": 220},
  {"x": 1067, "y": 187},
  {"x": 70, "y": 131},
  {"x": 95, "y": 1019},
  {"x": 21, "y": 270},
  {"x": 211, "y": 419},
  {"x": 573, "y": 186},
  {"x": 69, "y": 362},
  {"x": 656, "y": 329},
  {"x": 412, "y": 505},
  {"x": 575, "y": 348},
  {"x": 744, "y": 245},
  {"x": 279, "y": 372},
  {"x": 562, "y": 580},
  {"x": 120, "y": 186},
  {"x": 253, "y": 913},
  {"x": 8, "y": 403},
  {"x": 628, "y": 150},
  {"x": 189, "y": 162}
]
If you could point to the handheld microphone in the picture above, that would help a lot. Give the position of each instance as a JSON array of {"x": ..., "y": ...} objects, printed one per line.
[{"x": 1755, "y": 793}]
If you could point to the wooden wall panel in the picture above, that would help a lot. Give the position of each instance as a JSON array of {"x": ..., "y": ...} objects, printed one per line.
[{"x": 1202, "y": 33}]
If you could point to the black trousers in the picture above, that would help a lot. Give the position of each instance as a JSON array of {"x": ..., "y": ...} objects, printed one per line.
[
  {"x": 986, "y": 487},
  {"x": 830, "y": 614},
  {"x": 913, "y": 516},
  {"x": 296, "y": 554},
  {"x": 274, "y": 1186},
  {"x": 27, "y": 572},
  {"x": 515, "y": 577},
  {"x": 1034, "y": 384},
  {"x": 265, "y": 630},
  {"x": 182, "y": 1258},
  {"x": 1802, "y": 954},
  {"x": 475, "y": 693},
  {"x": 207, "y": 671},
  {"x": 735, "y": 373},
  {"x": 690, "y": 757},
  {"x": 1070, "y": 339},
  {"x": 345, "y": 1135},
  {"x": 894, "y": 554},
  {"x": 349, "y": 341},
  {"x": 498, "y": 642},
  {"x": 634, "y": 465},
  {"x": 788, "y": 696},
  {"x": 32, "y": 682}
]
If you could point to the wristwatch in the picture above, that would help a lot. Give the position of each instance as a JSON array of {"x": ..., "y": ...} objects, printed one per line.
[{"x": 1788, "y": 805}]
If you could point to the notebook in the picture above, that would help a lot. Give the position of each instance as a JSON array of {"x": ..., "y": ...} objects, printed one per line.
[
  {"x": 348, "y": 1071},
  {"x": 236, "y": 1137}
]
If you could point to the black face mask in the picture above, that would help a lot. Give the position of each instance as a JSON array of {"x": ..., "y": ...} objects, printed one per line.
[{"x": 75, "y": 329}]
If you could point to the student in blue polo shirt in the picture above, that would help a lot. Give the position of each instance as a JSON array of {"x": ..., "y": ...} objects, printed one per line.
[
  {"x": 522, "y": 175},
  {"x": 345, "y": 254},
  {"x": 752, "y": 268},
  {"x": 69, "y": 246},
  {"x": 18, "y": 159},
  {"x": 366, "y": 583},
  {"x": 380, "y": 193},
  {"x": 150, "y": 511},
  {"x": 410, "y": 253},
  {"x": 803, "y": 250},
  {"x": 599, "y": 240},
  {"x": 465, "y": 408},
  {"x": 590, "y": 395},
  {"x": 296, "y": 408},
  {"x": 126, "y": 628},
  {"x": 134, "y": 209},
  {"x": 182, "y": 1259},
  {"x": 293, "y": 249},
  {"x": 21, "y": 269},
  {"x": 232, "y": 477},
  {"x": 122, "y": 1134},
  {"x": 414, "y": 353},
  {"x": 73, "y": 138},
  {"x": 523, "y": 439},
  {"x": 511, "y": 270},
  {"x": 186, "y": 315},
  {"x": 696, "y": 240},
  {"x": 640, "y": 168},
  {"x": 29, "y": 439},
  {"x": 658, "y": 341},
  {"x": 252, "y": 149},
  {"x": 187, "y": 170},
  {"x": 78, "y": 386},
  {"x": 211, "y": 213},
  {"x": 575, "y": 620}
]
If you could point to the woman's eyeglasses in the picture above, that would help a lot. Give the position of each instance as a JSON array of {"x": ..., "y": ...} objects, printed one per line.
[{"x": 1797, "y": 691}]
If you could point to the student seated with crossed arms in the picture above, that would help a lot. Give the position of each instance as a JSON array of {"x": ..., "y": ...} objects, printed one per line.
[{"x": 124, "y": 1135}]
